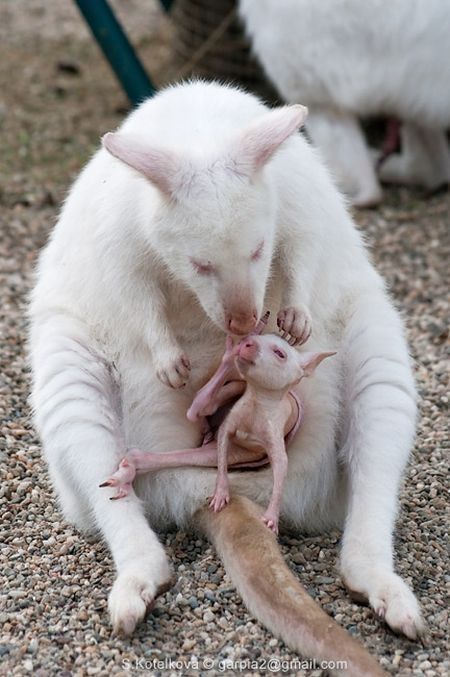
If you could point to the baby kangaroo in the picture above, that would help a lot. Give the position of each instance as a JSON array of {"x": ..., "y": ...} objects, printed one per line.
[{"x": 255, "y": 431}]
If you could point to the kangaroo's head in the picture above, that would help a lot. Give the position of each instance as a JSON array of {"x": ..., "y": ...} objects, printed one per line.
[{"x": 215, "y": 227}]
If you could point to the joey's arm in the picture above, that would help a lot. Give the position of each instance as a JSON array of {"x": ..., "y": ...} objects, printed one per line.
[
  {"x": 208, "y": 399},
  {"x": 213, "y": 394}
]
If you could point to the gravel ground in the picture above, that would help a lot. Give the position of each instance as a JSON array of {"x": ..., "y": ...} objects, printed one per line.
[{"x": 56, "y": 98}]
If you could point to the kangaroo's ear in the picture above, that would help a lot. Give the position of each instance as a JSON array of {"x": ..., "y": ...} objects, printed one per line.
[
  {"x": 256, "y": 144},
  {"x": 159, "y": 166},
  {"x": 310, "y": 361}
]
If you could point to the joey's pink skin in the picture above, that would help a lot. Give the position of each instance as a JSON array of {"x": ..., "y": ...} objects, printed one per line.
[
  {"x": 206, "y": 401},
  {"x": 255, "y": 428},
  {"x": 265, "y": 413}
]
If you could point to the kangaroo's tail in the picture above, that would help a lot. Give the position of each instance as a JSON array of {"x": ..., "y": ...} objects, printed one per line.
[{"x": 271, "y": 592}]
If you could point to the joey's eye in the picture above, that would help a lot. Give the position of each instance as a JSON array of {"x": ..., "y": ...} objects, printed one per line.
[
  {"x": 258, "y": 251},
  {"x": 202, "y": 268},
  {"x": 280, "y": 353}
]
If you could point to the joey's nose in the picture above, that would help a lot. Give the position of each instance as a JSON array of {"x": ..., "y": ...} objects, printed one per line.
[
  {"x": 241, "y": 324},
  {"x": 248, "y": 349}
]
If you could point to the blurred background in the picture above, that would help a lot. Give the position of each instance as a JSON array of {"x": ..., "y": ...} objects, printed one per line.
[{"x": 58, "y": 95}]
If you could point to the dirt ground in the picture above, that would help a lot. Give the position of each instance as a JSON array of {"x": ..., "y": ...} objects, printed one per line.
[{"x": 57, "y": 97}]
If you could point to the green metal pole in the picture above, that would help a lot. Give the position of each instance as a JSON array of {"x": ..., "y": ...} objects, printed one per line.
[{"x": 117, "y": 49}]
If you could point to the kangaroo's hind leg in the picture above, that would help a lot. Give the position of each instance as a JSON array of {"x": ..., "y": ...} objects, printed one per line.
[
  {"x": 381, "y": 416},
  {"x": 77, "y": 400}
]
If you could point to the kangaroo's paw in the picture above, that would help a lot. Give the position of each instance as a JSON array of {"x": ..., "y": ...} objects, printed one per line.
[
  {"x": 172, "y": 367},
  {"x": 295, "y": 324},
  {"x": 133, "y": 594},
  {"x": 392, "y": 600}
]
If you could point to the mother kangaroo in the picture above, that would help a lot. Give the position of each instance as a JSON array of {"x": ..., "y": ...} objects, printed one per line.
[{"x": 203, "y": 210}]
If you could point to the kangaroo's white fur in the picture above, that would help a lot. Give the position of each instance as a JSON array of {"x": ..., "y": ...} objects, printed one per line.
[
  {"x": 118, "y": 267},
  {"x": 346, "y": 59}
]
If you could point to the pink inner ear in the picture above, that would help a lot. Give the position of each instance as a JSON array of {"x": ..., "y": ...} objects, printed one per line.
[
  {"x": 310, "y": 361},
  {"x": 263, "y": 137},
  {"x": 157, "y": 165}
]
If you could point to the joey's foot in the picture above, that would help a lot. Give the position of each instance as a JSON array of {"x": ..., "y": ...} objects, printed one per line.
[
  {"x": 270, "y": 519},
  {"x": 220, "y": 499},
  {"x": 172, "y": 368},
  {"x": 122, "y": 479},
  {"x": 392, "y": 600},
  {"x": 134, "y": 593},
  {"x": 294, "y": 324}
]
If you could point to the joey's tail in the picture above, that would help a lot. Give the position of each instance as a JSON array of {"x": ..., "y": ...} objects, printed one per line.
[{"x": 271, "y": 592}]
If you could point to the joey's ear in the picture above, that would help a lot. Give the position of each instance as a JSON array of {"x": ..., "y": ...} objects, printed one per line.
[
  {"x": 310, "y": 361},
  {"x": 159, "y": 166},
  {"x": 256, "y": 144}
]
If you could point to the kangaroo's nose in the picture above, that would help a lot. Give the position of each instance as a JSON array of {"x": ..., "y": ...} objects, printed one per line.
[{"x": 241, "y": 324}]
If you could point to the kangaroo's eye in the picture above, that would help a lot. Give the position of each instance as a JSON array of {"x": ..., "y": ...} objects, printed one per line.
[
  {"x": 280, "y": 353},
  {"x": 203, "y": 268}
]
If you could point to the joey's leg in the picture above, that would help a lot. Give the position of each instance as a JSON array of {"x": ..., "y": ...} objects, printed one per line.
[
  {"x": 341, "y": 141},
  {"x": 424, "y": 159},
  {"x": 76, "y": 396},
  {"x": 279, "y": 463},
  {"x": 222, "y": 490},
  {"x": 381, "y": 414},
  {"x": 137, "y": 462}
]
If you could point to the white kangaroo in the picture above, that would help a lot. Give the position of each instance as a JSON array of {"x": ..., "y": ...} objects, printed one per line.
[
  {"x": 347, "y": 59},
  {"x": 213, "y": 210}
]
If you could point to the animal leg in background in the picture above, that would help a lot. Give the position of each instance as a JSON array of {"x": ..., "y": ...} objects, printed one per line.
[
  {"x": 342, "y": 143},
  {"x": 424, "y": 158}
]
